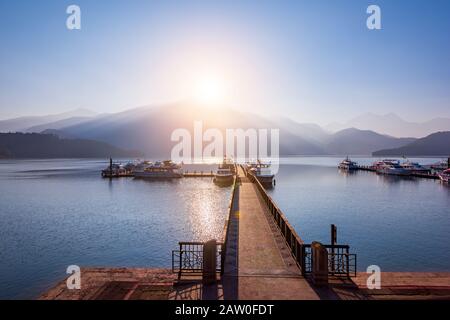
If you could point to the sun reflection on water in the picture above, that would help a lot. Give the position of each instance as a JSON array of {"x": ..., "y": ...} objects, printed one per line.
[{"x": 207, "y": 210}]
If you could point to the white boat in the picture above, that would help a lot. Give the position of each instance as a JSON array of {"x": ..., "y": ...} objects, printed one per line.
[
  {"x": 223, "y": 176},
  {"x": 228, "y": 163},
  {"x": 158, "y": 170},
  {"x": 442, "y": 165},
  {"x": 115, "y": 170},
  {"x": 347, "y": 164},
  {"x": 263, "y": 172},
  {"x": 414, "y": 167},
  {"x": 391, "y": 167},
  {"x": 445, "y": 176}
]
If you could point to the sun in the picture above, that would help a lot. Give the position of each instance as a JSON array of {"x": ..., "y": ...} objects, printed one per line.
[{"x": 209, "y": 90}]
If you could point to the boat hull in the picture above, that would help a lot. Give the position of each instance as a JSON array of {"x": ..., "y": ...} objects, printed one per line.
[
  {"x": 348, "y": 168},
  {"x": 266, "y": 181},
  {"x": 394, "y": 172},
  {"x": 444, "y": 178}
]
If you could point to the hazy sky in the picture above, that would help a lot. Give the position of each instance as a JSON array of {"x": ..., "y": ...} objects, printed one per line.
[{"x": 310, "y": 60}]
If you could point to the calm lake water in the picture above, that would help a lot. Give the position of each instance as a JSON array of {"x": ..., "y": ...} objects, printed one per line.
[
  {"x": 397, "y": 223},
  {"x": 56, "y": 213}
]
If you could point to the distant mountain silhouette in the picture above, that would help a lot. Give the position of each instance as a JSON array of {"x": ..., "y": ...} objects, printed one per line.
[
  {"x": 149, "y": 128},
  {"x": 33, "y": 145},
  {"x": 436, "y": 144},
  {"x": 22, "y": 124},
  {"x": 391, "y": 124},
  {"x": 58, "y": 124},
  {"x": 361, "y": 142}
]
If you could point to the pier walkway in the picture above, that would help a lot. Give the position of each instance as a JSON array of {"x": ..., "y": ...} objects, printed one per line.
[{"x": 258, "y": 264}]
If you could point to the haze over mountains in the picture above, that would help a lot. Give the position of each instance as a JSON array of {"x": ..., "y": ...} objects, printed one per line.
[
  {"x": 27, "y": 123},
  {"x": 148, "y": 129},
  {"x": 392, "y": 124}
]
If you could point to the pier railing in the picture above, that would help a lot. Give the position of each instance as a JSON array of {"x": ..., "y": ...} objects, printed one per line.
[
  {"x": 293, "y": 240},
  {"x": 188, "y": 260},
  {"x": 340, "y": 261}
]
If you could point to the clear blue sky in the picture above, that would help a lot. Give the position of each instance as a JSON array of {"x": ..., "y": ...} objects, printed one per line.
[{"x": 310, "y": 60}]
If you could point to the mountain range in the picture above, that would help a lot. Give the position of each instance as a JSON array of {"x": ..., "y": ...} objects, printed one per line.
[
  {"x": 426, "y": 146},
  {"x": 149, "y": 128},
  {"x": 391, "y": 124},
  {"x": 36, "y": 145},
  {"x": 54, "y": 121}
]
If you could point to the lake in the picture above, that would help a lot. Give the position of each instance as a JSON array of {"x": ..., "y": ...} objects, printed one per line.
[{"x": 55, "y": 213}]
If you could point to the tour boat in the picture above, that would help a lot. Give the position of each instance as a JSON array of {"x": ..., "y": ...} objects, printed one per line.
[
  {"x": 442, "y": 165},
  {"x": 158, "y": 170},
  {"x": 445, "y": 176},
  {"x": 228, "y": 163},
  {"x": 347, "y": 164},
  {"x": 115, "y": 170},
  {"x": 391, "y": 167},
  {"x": 263, "y": 173},
  {"x": 414, "y": 167},
  {"x": 224, "y": 177}
]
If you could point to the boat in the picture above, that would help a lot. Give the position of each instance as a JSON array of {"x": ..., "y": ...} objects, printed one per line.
[
  {"x": 263, "y": 173},
  {"x": 415, "y": 167},
  {"x": 391, "y": 167},
  {"x": 347, "y": 164},
  {"x": 158, "y": 170},
  {"x": 228, "y": 163},
  {"x": 223, "y": 177},
  {"x": 441, "y": 165},
  {"x": 445, "y": 176},
  {"x": 116, "y": 170}
]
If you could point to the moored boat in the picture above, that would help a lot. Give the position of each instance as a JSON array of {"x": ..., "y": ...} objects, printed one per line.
[
  {"x": 391, "y": 167},
  {"x": 414, "y": 167},
  {"x": 229, "y": 164},
  {"x": 445, "y": 176},
  {"x": 116, "y": 170},
  {"x": 223, "y": 177},
  {"x": 441, "y": 165},
  {"x": 158, "y": 170},
  {"x": 347, "y": 164},
  {"x": 263, "y": 172}
]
